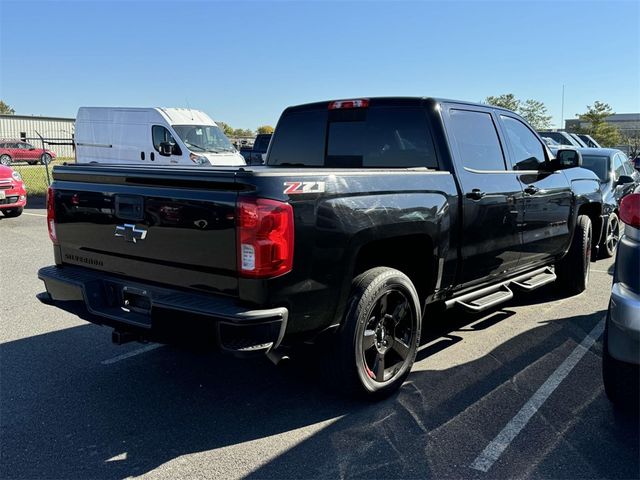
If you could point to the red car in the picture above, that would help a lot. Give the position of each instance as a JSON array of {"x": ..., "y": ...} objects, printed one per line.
[
  {"x": 19, "y": 151},
  {"x": 13, "y": 195}
]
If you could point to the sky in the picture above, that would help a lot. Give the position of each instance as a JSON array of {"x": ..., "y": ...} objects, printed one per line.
[{"x": 243, "y": 62}]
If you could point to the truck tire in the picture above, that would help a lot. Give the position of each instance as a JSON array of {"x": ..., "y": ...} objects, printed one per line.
[
  {"x": 621, "y": 380},
  {"x": 373, "y": 351},
  {"x": 573, "y": 269},
  {"x": 612, "y": 237}
]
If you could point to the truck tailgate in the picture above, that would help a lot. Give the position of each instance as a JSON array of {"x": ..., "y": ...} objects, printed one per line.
[{"x": 163, "y": 224}]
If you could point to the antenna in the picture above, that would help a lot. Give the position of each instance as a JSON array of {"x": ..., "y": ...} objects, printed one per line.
[{"x": 189, "y": 108}]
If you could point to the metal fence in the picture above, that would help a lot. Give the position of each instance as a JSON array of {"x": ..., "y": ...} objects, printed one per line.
[{"x": 35, "y": 170}]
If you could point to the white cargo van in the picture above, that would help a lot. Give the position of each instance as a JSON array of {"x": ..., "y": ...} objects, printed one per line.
[{"x": 153, "y": 136}]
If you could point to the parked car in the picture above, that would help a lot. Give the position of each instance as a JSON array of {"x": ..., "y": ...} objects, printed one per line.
[
  {"x": 151, "y": 136},
  {"x": 617, "y": 179},
  {"x": 258, "y": 154},
  {"x": 13, "y": 194},
  {"x": 589, "y": 141},
  {"x": 18, "y": 151},
  {"x": 621, "y": 344},
  {"x": 550, "y": 142},
  {"x": 563, "y": 138},
  {"x": 366, "y": 211},
  {"x": 578, "y": 140},
  {"x": 636, "y": 162}
]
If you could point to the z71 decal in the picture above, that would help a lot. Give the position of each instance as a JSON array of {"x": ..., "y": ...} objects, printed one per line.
[{"x": 294, "y": 188}]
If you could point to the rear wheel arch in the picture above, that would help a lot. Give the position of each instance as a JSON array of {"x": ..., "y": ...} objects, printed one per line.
[{"x": 410, "y": 253}]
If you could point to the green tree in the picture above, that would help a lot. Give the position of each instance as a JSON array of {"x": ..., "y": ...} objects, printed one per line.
[
  {"x": 6, "y": 109},
  {"x": 243, "y": 132},
  {"x": 226, "y": 129},
  {"x": 506, "y": 100},
  {"x": 535, "y": 112},
  {"x": 265, "y": 129},
  {"x": 594, "y": 124}
]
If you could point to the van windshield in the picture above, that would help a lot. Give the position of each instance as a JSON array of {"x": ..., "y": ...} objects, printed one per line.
[{"x": 204, "y": 138}]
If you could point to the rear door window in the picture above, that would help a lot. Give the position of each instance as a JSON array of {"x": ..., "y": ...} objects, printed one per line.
[{"x": 477, "y": 140}]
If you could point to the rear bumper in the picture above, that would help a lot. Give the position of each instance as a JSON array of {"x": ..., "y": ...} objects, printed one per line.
[
  {"x": 624, "y": 325},
  {"x": 160, "y": 314}
]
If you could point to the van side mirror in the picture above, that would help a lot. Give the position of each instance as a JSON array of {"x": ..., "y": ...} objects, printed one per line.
[
  {"x": 166, "y": 149},
  {"x": 566, "y": 158}
]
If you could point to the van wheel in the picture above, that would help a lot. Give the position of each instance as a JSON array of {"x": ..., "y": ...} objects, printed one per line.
[
  {"x": 374, "y": 350},
  {"x": 573, "y": 269},
  {"x": 610, "y": 242}
]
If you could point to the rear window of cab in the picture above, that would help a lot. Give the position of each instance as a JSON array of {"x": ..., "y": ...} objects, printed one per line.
[{"x": 374, "y": 137}]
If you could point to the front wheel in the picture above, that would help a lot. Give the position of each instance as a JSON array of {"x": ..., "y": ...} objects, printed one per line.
[
  {"x": 45, "y": 159},
  {"x": 374, "y": 350},
  {"x": 5, "y": 160},
  {"x": 573, "y": 269},
  {"x": 610, "y": 242},
  {"x": 12, "y": 212}
]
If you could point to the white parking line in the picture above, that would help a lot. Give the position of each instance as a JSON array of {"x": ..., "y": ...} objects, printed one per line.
[
  {"x": 132, "y": 353},
  {"x": 34, "y": 214},
  {"x": 498, "y": 445}
]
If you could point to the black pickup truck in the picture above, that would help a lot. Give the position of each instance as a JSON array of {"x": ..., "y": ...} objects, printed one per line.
[{"x": 367, "y": 211}]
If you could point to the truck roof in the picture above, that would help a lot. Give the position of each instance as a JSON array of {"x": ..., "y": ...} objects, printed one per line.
[{"x": 396, "y": 101}]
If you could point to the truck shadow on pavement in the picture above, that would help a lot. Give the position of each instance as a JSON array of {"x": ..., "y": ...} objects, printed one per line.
[{"x": 63, "y": 414}]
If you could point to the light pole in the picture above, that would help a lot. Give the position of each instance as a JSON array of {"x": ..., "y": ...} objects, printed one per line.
[{"x": 562, "y": 111}]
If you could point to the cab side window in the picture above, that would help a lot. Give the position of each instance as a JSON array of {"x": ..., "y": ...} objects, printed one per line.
[
  {"x": 161, "y": 135},
  {"x": 628, "y": 168},
  {"x": 528, "y": 151},
  {"x": 477, "y": 140},
  {"x": 618, "y": 167}
]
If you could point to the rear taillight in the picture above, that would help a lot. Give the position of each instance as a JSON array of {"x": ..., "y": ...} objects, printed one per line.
[
  {"x": 630, "y": 210},
  {"x": 51, "y": 216},
  {"x": 265, "y": 237},
  {"x": 343, "y": 104}
]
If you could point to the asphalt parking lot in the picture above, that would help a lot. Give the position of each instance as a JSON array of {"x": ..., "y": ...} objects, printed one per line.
[{"x": 513, "y": 393}]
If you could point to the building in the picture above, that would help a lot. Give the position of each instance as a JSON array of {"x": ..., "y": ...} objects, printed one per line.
[
  {"x": 627, "y": 123},
  {"x": 53, "y": 130}
]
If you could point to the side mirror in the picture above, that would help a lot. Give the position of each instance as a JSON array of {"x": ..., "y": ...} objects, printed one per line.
[
  {"x": 567, "y": 158},
  {"x": 623, "y": 179},
  {"x": 166, "y": 149}
]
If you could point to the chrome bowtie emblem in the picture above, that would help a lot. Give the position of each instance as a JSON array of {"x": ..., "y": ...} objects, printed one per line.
[{"x": 130, "y": 232}]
